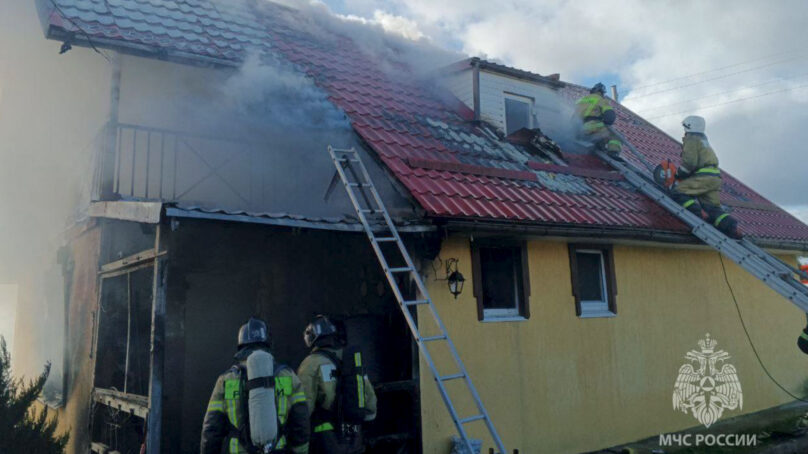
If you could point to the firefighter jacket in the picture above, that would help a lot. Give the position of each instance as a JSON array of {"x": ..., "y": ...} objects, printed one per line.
[
  {"x": 317, "y": 373},
  {"x": 227, "y": 415},
  {"x": 591, "y": 108},
  {"x": 698, "y": 157}
]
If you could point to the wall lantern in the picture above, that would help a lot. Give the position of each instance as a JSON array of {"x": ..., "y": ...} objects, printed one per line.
[{"x": 454, "y": 278}]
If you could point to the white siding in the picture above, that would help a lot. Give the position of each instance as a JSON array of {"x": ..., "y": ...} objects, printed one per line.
[
  {"x": 550, "y": 112},
  {"x": 461, "y": 85}
]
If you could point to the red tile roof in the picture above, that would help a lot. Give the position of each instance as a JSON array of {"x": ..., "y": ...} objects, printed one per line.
[{"x": 452, "y": 168}]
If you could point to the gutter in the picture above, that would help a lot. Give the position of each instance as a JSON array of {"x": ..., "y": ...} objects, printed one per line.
[
  {"x": 494, "y": 228},
  {"x": 139, "y": 50}
]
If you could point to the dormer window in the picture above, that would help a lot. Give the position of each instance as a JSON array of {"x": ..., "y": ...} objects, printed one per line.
[{"x": 518, "y": 113}]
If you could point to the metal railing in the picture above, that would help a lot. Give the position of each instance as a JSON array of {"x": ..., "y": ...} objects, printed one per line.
[{"x": 159, "y": 164}]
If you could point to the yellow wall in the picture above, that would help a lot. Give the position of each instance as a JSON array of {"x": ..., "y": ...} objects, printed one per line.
[{"x": 557, "y": 383}]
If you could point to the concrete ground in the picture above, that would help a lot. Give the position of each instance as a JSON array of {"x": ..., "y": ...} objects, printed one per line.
[{"x": 779, "y": 430}]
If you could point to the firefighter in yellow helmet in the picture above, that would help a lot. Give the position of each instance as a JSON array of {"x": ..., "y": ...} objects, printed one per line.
[
  {"x": 699, "y": 179},
  {"x": 247, "y": 405},
  {"x": 595, "y": 114},
  {"x": 338, "y": 392}
]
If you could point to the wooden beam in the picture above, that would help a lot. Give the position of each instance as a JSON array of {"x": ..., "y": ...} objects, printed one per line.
[
  {"x": 147, "y": 212},
  {"x": 130, "y": 403},
  {"x": 154, "y": 423},
  {"x": 133, "y": 259}
]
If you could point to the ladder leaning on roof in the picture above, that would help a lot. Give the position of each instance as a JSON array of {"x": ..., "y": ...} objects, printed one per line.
[
  {"x": 775, "y": 273},
  {"x": 367, "y": 202}
]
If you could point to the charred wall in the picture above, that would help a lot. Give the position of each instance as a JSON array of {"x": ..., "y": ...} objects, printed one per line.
[{"x": 222, "y": 273}]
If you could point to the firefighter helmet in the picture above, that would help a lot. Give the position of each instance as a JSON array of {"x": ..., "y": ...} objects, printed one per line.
[
  {"x": 694, "y": 123},
  {"x": 598, "y": 88},
  {"x": 255, "y": 331},
  {"x": 319, "y": 328}
]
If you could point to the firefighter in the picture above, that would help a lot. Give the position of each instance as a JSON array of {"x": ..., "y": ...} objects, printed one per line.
[
  {"x": 596, "y": 113},
  {"x": 699, "y": 179},
  {"x": 228, "y": 422},
  {"x": 339, "y": 395}
]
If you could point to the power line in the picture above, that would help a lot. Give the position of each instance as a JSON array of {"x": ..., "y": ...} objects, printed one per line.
[
  {"x": 749, "y": 338},
  {"x": 729, "y": 102},
  {"x": 701, "y": 73},
  {"x": 723, "y": 76},
  {"x": 746, "y": 87}
]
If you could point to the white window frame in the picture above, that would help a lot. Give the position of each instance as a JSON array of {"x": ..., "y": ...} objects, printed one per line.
[
  {"x": 596, "y": 308},
  {"x": 531, "y": 105}
]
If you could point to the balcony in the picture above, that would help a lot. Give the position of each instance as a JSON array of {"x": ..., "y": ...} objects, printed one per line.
[{"x": 145, "y": 163}]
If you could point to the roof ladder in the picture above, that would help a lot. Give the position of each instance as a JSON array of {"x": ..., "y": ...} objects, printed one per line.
[
  {"x": 366, "y": 200},
  {"x": 775, "y": 273}
]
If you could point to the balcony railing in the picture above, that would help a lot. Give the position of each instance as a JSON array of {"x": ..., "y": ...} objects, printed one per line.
[{"x": 159, "y": 164}]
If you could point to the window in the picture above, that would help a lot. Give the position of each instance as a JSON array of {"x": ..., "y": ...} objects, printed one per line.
[
  {"x": 501, "y": 283},
  {"x": 518, "y": 113},
  {"x": 593, "y": 282}
]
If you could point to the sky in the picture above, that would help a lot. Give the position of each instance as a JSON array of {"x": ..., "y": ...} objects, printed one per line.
[{"x": 740, "y": 64}]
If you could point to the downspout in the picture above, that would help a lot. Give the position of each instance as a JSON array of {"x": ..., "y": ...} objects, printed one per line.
[
  {"x": 107, "y": 162},
  {"x": 475, "y": 86}
]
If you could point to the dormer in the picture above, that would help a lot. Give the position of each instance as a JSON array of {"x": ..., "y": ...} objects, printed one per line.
[{"x": 507, "y": 98}]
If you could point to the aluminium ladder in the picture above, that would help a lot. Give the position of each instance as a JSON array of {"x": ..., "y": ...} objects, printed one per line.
[
  {"x": 357, "y": 182},
  {"x": 775, "y": 273}
]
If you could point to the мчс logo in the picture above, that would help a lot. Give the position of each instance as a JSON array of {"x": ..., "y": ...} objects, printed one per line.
[{"x": 707, "y": 385}]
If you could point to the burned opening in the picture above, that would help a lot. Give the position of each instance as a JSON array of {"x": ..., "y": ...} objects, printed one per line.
[{"x": 124, "y": 326}]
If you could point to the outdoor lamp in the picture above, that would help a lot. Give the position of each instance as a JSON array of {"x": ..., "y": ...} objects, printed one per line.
[{"x": 454, "y": 278}]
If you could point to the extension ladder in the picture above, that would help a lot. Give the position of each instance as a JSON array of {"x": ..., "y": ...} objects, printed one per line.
[
  {"x": 775, "y": 273},
  {"x": 358, "y": 185}
]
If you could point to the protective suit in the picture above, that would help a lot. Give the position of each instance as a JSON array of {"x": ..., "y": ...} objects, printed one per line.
[
  {"x": 226, "y": 428},
  {"x": 596, "y": 113},
  {"x": 318, "y": 374},
  {"x": 699, "y": 185}
]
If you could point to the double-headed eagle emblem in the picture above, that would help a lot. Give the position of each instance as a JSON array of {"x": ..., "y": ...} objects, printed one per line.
[{"x": 707, "y": 385}]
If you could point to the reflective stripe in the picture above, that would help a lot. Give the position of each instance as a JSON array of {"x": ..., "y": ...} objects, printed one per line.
[
  {"x": 360, "y": 390},
  {"x": 233, "y": 448},
  {"x": 216, "y": 405},
  {"x": 592, "y": 100},
  {"x": 719, "y": 219},
  {"x": 689, "y": 203},
  {"x": 323, "y": 427},
  {"x": 709, "y": 171},
  {"x": 283, "y": 385},
  {"x": 298, "y": 398},
  {"x": 281, "y": 443},
  {"x": 804, "y": 336},
  {"x": 357, "y": 359},
  {"x": 232, "y": 393}
]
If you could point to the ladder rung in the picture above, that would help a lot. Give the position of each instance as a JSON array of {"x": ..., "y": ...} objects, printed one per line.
[
  {"x": 472, "y": 419},
  {"x": 415, "y": 302},
  {"x": 384, "y": 239},
  {"x": 347, "y": 160},
  {"x": 403, "y": 269},
  {"x": 452, "y": 377},
  {"x": 359, "y": 185},
  {"x": 371, "y": 211},
  {"x": 344, "y": 150},
  {"x": 433, "y": 338}
]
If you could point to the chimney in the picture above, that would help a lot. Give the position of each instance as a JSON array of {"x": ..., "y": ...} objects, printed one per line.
[
  {"x": 614, "y": 93},
  {"x": 475, "y": 74}
]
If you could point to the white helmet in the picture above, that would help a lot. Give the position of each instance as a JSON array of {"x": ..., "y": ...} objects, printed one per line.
[{"x": 694, "y": 123}]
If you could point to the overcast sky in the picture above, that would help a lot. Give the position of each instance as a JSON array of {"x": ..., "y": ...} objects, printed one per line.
[{"x": 748, "y": 57}]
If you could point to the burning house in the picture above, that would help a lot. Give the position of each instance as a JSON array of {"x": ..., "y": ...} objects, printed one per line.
[{"x": 211, "y": 202}]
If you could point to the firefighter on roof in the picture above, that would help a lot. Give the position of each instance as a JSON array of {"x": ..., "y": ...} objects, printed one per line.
[
  {"x": 596, "y": 113},
  {"x": 699, "y": 179},
  {"x": 258, "y": 405},
  {"x": 339, "y": 394}
]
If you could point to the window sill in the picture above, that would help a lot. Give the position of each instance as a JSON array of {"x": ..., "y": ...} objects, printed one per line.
[
  {"x": 598, "y": 314},
  {"x": 494, "y": 319}
]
